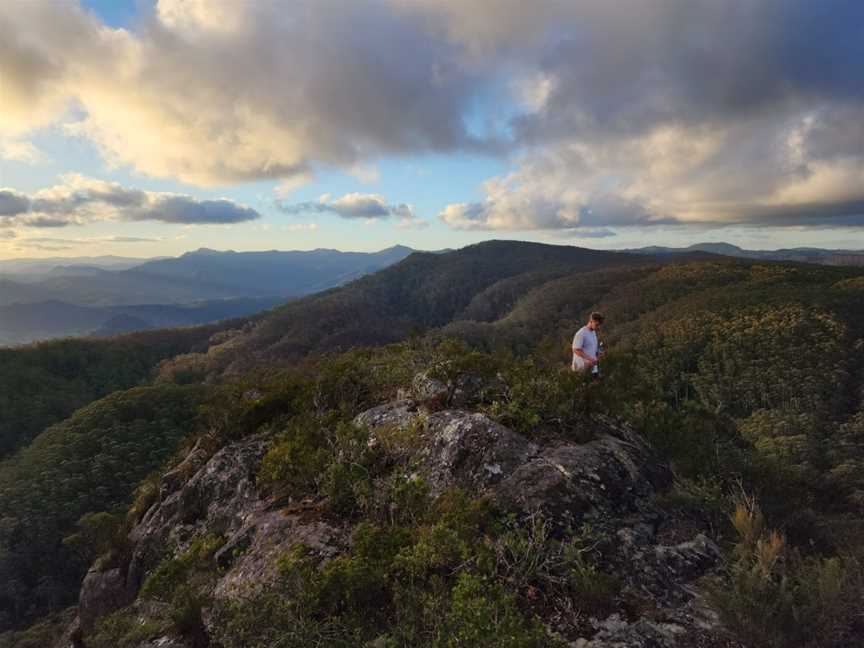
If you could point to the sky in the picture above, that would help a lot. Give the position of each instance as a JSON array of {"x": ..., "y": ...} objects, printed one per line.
[{"x": 147, "y": 128}]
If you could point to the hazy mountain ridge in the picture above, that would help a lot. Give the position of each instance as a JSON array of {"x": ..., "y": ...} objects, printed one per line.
[
  {"x": 77, "y": 298},
  {"x": 203, "y": 274},
  {"x": 25, "y": 323},
  {"x": 38, "y": 266},
  {"x": 801, "y": 254}
]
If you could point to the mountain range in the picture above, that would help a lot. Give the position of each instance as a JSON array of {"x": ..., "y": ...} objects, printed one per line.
[
  {"x": 40, "y": 300},
  {"x": 801, "y": 254}
]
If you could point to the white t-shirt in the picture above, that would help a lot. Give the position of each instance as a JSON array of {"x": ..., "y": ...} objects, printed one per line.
[{"x": 585, "y": 339}]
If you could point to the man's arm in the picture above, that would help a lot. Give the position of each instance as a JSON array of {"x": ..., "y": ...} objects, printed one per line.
[{"x": 588, "y": 359}]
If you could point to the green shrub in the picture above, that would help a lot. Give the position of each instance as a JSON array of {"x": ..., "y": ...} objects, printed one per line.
[
  {"x": 483, "y": 615},
  {"x": 175, "y": 571},
  {"x": 528, "y": 558},
  {"x": 298, "y": 458},
  {"x": 41, "y": 634},
  {"x": 772, "y": 596},
  {"x": 125, "y": 629}
]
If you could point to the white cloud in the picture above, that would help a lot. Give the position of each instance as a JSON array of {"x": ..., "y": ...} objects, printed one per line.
[
  {"x": 354, "y": 206},
  {"x": 226, "y": 92},
  {"x": 20, "y": 151},
  {"x": 78, "y": 200},
  {"x": 679, "y": 111},
  {"x": 300, "y": 227}
]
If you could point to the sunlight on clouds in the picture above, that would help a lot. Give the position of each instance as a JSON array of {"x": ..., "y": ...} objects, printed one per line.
[
  {"x": 193, "y": 15},
  {"x": 20, "y": 151},
  {"x": 619, "y": 116}
]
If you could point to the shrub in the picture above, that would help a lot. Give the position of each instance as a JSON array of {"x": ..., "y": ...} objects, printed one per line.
[
  {"x": 175, "y": 571},
  {"x": 483, "y": 615},
  {"x": 125, "y": 629},
  {"x": 564, "y": 572},
  {"x": 774, "y": 597},
  {"x": 298, "y": 458}
]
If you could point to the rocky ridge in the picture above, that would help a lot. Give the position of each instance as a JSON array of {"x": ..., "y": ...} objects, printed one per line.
[{"x": 608, "y": 482}]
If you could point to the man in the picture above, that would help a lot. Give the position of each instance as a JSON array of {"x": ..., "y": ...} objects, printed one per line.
[{"x": 585, "y": 345}]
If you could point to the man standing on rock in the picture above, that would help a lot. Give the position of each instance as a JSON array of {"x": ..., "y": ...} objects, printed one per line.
[{"x": 585, "y": 345}]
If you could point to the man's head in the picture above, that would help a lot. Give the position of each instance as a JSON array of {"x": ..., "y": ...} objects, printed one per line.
[{"x": 595, "y": 321}]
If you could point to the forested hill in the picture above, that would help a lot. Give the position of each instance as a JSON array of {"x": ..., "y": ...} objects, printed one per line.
[
  {"x": 421, "y": 292},
  {"x": 745, "y": 377},
  {"x": 44, "y": 383}
]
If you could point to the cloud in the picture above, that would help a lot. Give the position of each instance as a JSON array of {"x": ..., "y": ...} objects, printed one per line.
[
  {"x": 31, "y": 241},
  {"x": 78, "y": 200},
  {"x": 13, "y": 203},
  {"x": 682, "y": 111},
  {"x": 220, "y": 94},
  {"x": 20, "y": 151},
  {"x": 356, "y": 206},
  {"x": 300, "y": 227},
  {"x": 650, "y": 117}
]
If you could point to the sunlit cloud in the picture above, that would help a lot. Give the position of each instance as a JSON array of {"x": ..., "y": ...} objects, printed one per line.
[
  {"x": 637, "y": 116},
  {"x": 221, "y": 93},
  {"x": 20, "y": 151},
  {"x": 78, "y": 200},
  {"x": 356, "y": 206}
]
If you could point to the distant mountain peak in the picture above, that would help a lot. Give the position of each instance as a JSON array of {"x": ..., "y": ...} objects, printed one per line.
[
  {"x": 718, "y": 248},
  {"x": 203, "y": 251}
]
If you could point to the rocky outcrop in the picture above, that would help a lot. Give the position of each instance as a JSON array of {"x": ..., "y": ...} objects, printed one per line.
[
  {"x": 217, "y": 500},
  {"x": 269, "y": 535},
  {"x": 470, "y": 451},
  {"x": 608, "y": 482},
  {"x": 217, "y": 497},
  {"x": 102, "y": 592}
]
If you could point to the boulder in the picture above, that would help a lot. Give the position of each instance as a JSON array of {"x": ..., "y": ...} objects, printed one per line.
[
  {"x": 396, "y": 414},
  {"x": 609, "y": 477},
  {"x": 470, "y": 451},
  {"x": 102, "y": 592}
]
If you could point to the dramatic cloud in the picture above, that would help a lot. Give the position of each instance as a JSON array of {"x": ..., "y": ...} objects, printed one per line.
[
  {"x": 12, "y": 203},
  {"x": 678, "y": 111},
  {"x": 356, "y": 206},
  {"x": 671, "y": 111},
  {"x": 216, "y": 93},
  {"x": 79, "y": 200}
]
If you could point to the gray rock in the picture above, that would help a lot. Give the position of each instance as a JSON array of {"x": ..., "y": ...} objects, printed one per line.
[
  {"x": 271, "y": 534},
  {"x": 470, "y": 451},
  {"x": 616, "y": 632},
  {"x": 71, "y": 637},
  {"x": 664, "y": 572},
  {"x": 102, "y": 592},
  {"x": 576, "y": 483},
  {"x": 462, "y": 393},
  {"x": 177, "y": 476},
  {"x": 215, "y": 500},
  {"x": 396, "y": 414},
  {"x": 425, "y": 388},
  {"x": 165, "y": 642}
]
